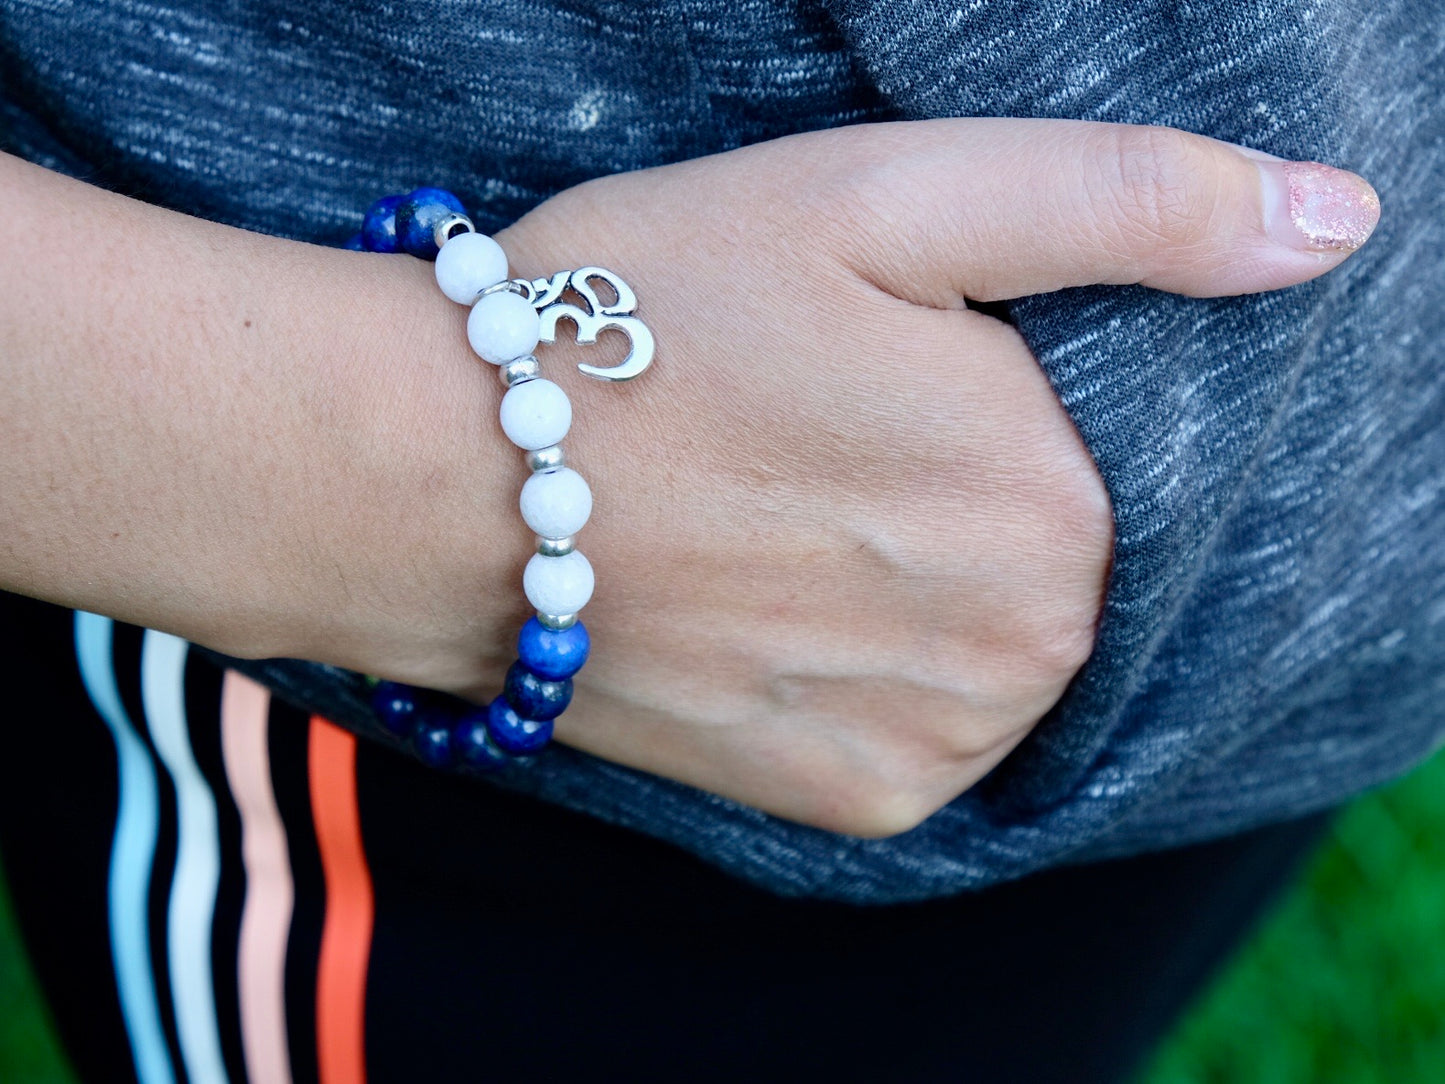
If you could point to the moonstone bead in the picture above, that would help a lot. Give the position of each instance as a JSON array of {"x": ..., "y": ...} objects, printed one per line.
[
  {"x": 535, "y": 414},
  {"x": 558, "y": 585},
  {"x": 468, "y": 264},
  {"x": 556, "y": 503},
  {"x": 553, "y": 653},
  {"x": 503, "y": 327}
]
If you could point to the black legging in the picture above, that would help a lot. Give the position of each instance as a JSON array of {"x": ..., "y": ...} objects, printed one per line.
[{"x": 517, "y": 941}]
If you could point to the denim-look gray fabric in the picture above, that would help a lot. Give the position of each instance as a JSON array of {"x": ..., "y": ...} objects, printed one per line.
[{"x": 1274, "y": 637}]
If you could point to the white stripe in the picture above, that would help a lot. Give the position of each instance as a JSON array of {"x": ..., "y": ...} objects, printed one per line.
[{"x": 198, "y": 860}]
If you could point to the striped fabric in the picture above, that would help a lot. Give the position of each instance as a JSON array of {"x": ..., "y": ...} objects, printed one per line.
[
  {"x": 179, "y": 1019},
  {"x": 270, "y": 891},
  {"x": 132, "y": 853}
]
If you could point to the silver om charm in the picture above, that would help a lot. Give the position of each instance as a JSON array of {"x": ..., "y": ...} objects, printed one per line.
[{"x": 547, "y": 296}]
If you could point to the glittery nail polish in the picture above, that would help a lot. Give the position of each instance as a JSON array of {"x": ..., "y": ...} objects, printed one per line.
[{"x": 1332, "y": 210}]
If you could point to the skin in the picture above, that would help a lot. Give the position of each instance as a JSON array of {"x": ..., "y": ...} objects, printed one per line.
[{"x": 849, "y": 546}]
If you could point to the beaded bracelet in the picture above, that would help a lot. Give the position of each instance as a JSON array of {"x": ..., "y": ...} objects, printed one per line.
[{"x": 509, "y": 317}]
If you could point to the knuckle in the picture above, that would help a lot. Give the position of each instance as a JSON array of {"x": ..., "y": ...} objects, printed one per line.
[
  {"x": 1163, "y": 186},
  {"x": 1072, "y": 528},
  {"x": 889, "y": 790},
  {"x": 884, "y": 811},
  {"x": 907, "y": 785},
  {"x": 1047, "y": 637},
  {"x": 989, "y": 720},
  {"x": 1079, "y": 523},
  {"x": 1054, "y": 633},
  {"x": 1059, "y": 651}
]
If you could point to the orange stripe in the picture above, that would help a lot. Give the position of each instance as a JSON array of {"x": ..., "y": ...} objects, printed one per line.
[{"x": 350, "y": 907}]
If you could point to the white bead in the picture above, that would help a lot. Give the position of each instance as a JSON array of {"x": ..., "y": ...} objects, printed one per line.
[
  {"x": 558, "y": 585},
  {"x": 536, "y": 414},
  {"x": 503, "y": 327},
  {"x": 556, "y": 503},
  {"x": 468, "y": 264}
]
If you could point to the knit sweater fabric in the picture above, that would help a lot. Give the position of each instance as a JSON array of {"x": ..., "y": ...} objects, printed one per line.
[{"x": 1274, "y": 634}]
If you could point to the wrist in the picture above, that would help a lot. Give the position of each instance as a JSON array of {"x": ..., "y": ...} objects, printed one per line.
[{"x": 409, "y": 539}]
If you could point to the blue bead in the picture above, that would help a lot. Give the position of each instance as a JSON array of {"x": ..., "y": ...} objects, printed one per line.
[
  {"x": 553, "y": 653},
  {"x": 514, "y": 734},
  {"x": 355, "y": 243},
  {"x": 474, "y": 746},
  {"x": 535, "y": 697},
  {"x": 378, "y": 231},
  {"x": 396, "y": 705},
  {"x": 417, "y": 217},
  {"x": 432, "y": 740}
]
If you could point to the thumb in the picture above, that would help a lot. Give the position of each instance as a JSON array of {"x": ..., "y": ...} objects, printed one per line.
[{"x": 991, "y": 209}]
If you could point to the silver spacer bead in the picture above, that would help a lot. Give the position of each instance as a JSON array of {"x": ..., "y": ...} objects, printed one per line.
[
  {"x": 452, "y": 226},
  {"x": 556, "y": 547},
  {"x": 519, "y": 371},
  {"x": 549, "y": 458},
  {"x": 556, "y": 622}
]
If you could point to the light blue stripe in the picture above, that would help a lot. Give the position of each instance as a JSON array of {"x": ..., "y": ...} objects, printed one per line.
[
  {"x": 132, "y": 854},
  {"x": 198, "y": 859}
]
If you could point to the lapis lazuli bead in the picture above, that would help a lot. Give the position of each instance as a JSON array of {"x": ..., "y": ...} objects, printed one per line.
[
  {"x": 553, "y": 654},
  {"x": 417, "y": 217},
  {"x": 395, "y": 704},
  {"x": 535, "y": 697},
  {"x": 355, "y": 243},
  {"x": 432, "y": 740},
  {"x": 378, "y": 231},
  {"x": 474, "y": 746},
  {"x": 514, "y": 734}
]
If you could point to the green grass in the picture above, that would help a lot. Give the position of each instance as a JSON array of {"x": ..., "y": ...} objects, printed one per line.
[
  {"x": 29, "y": 1053},
  {"x": 1344, "y": 983}
]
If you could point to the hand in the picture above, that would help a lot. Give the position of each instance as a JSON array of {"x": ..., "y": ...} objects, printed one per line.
[{"x": 850, "y": 548}]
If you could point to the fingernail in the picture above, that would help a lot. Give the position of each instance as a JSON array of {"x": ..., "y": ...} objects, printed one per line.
[
  {"x": 1257, "y": 155},
  {"x": 1318, "y": 208}
]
